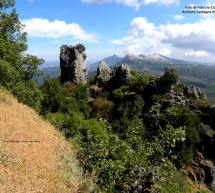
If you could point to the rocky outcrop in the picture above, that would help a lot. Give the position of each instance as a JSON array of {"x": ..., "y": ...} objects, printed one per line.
[
  {"x": 103, "y": 72},
  {"x": 123, "y": 72},
  {"x": 205, "y": 112},
  {"x": 204, "y": 171},
  {"x": 193, "y": 92},
  {"x": 174, "y": 98},
  {"x": 72, "y": 64},
  {"x": 155, "y": 88},
  {"x": 119, "y": 76}
]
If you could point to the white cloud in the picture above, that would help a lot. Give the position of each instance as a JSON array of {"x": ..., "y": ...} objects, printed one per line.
[
  {"x": 39, "y": 27},
  {"x": 144, "y": 36},
  {"x": 198, "y": 36},
  {"x": 165, "y": 52},
  {"x": 135, "y": 3},
  {"x": 164, "y": 2},
  {"x": 197, "y": 54},
  {"x": 131, "y": 3},
  {"x": 178, "y": 17}
]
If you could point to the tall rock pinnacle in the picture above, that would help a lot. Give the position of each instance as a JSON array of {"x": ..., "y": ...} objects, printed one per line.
[
  {"x": 103, "y": 72},
  {"x": 72, "y": 64}
]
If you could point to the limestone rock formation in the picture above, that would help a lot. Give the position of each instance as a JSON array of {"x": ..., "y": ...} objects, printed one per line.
[
  {"x": 120, "y": 75},
  {"x": 123, "y": 72},
  {"x": 204, "y": 171},
  {"x": 174, "y": 98},
  {"x": 193, "y": 92},
  {"x": 103, "y": 72},
  {"x": 72, "y": 64}
]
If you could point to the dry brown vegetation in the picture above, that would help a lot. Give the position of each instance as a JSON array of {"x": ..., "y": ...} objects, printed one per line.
[{"x": 47, "y": 166}]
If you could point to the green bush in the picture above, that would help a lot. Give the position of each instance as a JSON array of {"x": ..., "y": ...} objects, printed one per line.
[
  {"x": 138, "y": 82},
  {"x": 184, "y": 117},
  {"x": 81, "y": 95},
  {"x": 69, "y": 124},
  {"x": 28, "y": 93},
  {"x": 101, "y": 108},
  {"x": 55, "y": 98},
  {"x": 17, "y": 69},
  {"x": 8, "y": 74},
  {"x": 169, "y": 78}
]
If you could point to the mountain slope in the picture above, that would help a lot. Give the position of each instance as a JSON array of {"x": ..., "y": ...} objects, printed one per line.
[
  {"x": 111, "y": 60},
  {"x": 159, "y": 58},
  {"x": 41, "y": 166}
]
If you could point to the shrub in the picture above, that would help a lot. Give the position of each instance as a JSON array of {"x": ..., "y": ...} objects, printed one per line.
[
  {"x": 184, "y": 117},
  {"x": 55, "y": 97},
  {"x": 169, "y": 78},
  {"x": 138, "y": 82},
  {"x": 28, "y": 93},
  {"x": 8, "y": 74},
  {"x": 102, "y": 108}
]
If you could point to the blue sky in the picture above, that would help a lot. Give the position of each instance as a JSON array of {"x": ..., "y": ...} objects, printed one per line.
[{"x": 108, "y": 27}]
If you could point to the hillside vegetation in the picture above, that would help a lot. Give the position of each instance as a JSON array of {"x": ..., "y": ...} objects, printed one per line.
[
  {"x": 133, "y": 132},
  {"x": 134, "y": 135}
]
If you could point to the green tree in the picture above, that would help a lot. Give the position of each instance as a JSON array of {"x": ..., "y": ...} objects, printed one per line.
[
  {"x": 137, "y": 82},
  {"x": 8, "y": 74},
  {"x": 16, "y": 68},
  {"x": 28, "y": 93},
  {"x": 169, "y": 78},
  {"x": 55, "y": 97},
  {"x": 13, "y": 42}
]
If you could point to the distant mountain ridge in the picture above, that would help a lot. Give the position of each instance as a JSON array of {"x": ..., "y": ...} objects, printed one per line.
[
  {"x": 110, "y": 60},
  {"x": 158, "y": 58}
]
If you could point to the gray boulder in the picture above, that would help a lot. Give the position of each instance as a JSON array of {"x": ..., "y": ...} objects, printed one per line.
[
  {"x": 72, "y": 64},
  {"x": 103, "y": 72},
  {"x": 204, "y": 171},
  {"x": 125, "y": 71}
]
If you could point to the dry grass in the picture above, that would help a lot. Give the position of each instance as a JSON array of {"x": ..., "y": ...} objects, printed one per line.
[
  {"x": 195, "y": 186},
  {"x": 198, "y": 187},
  {"x": 47, "y": 166},
  {"x": 5, "y": 96}
]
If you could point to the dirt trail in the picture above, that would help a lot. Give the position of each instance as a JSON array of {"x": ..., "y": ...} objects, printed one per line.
[{"x": 45, "y": 165}]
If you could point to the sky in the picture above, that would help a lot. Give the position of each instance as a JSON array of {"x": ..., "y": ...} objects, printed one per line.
[{"x": 108, "y": 27}]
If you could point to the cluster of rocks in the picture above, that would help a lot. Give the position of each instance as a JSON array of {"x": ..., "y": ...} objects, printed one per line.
[
  {"x": 105, "y": 74},
  {"x": 174, "y": 98},
  {"x": 123, "y": 72},
  {"x": 203, "y": 171},
  {"x": 73, "y": 67},
  {"x": 184, "y": 98},
  {"x": 72, "y": 64},
  {"x": 193, "y": 92}
]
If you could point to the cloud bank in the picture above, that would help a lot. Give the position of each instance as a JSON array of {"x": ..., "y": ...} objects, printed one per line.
[
  {"x": 39, "y": 27},
  {"x": 196, "y": 39}
]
